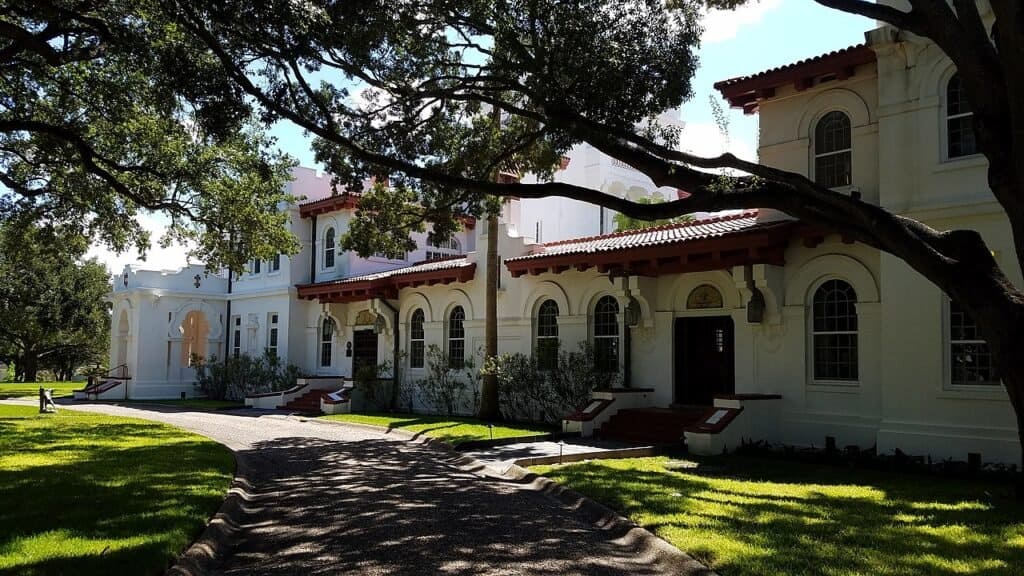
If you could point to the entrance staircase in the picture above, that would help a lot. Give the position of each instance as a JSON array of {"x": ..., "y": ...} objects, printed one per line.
[
  {"x": 308, "y": 403},
  {"x": 651, "y": 425}
]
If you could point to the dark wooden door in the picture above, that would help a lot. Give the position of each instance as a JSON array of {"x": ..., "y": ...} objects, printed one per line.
[
  {"x": 364, "y": 349},
  {"x": 704, "y": 359}
]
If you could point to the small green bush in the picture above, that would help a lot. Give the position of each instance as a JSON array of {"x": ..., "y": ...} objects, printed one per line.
[{"x": 234, "y": 378}]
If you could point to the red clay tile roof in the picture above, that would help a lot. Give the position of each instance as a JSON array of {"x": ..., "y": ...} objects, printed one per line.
[
  {"x": 386, "y": 284},
  {"x": 744, "y": 91},
  {"x": 656, "y": 236},
  {"x": 427, "y": 266}
]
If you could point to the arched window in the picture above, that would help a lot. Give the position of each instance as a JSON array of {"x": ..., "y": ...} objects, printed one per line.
[
  {"x": 606, "y": 334},
  {"x": 959, "y": 121},
  {"x": 456, "y": 339},
  {"x": 834, "y": 332},
  {"x": 329, "y": 247},
  {"x": 833, "y": 154},
  {"x": 416, "y": 340},
  {"x": 547, "y": 335},
  {"x": 971, "y": 362},
  {"x": 326, "y": 342}
]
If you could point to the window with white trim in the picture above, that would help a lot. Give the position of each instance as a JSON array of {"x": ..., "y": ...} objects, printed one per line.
[
  {"x": 255, "y": 267},
  {"x": 326, "y": 342},
  {"x": 833, "y": 150},
  {"x": 960, "y": 140},
  {"x": 236, "y": 337},
  {"x": 329, "y": 248},
  {"x": 456, "y": 339},
  {"x": 417, "y": 342},
  {"x": 834, "y": 332},
  {"x": 606, "y": 334},
  {"x": 970, "y": 359},
  {"x": 275, "y": 263},
  {"x": 272, "y": 333},
  {"x": 546, "y": 336}
]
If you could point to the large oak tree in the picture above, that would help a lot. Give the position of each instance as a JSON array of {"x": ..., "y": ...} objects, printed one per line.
[{"x": 404, "y": 88}]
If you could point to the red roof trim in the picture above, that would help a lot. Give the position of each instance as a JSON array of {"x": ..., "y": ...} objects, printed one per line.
[
  {"x": 746, "y": 91},
  {"x": 356, "y": 290},
  {"x": 330, "y": 204},
  {"x": 688, "y": 224}
]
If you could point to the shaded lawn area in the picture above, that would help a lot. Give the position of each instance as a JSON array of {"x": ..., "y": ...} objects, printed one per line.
[
  {"x": 31, "y": 389},
  {"x": 196, "y": 403},
  {"x": 745, "y": 515},
  {"x": 451, "y": 429},
  {"x": 92, "y": 494}
]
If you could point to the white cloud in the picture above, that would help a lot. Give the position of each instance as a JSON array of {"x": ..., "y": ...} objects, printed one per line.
[
  {"x": 721, "y": 25},
  {"x": 705, "y": 139},
  {"x": 170, "y": 258}
]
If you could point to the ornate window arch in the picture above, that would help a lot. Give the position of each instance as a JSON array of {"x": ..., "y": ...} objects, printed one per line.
[
  {"x": 960, "y": 138},
  {"x": 605, "y": 332},
  {"x": 546, "y": 335},
  {"x": 417, "y": 349},
  {"x": 833, "y": 150},
  {"x": 456, "y": 338},
  {"x": 330, "y": 247},
  {"x": 834, "y": 332}
]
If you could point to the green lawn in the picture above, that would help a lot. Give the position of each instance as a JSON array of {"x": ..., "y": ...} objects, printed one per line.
[
  {"x": 196, "y": 403},
  {"x": 743, "y": 515},
  {"x": 23, "y": 389},
  {"x": 92, "y": 494},
  {"x": 450, "y": 429}
]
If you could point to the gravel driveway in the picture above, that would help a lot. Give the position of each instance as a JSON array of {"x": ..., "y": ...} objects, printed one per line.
[{"x": 333, "y": 499}]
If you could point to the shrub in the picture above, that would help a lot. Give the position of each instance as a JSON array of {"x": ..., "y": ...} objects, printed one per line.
[
  {"x": 448, "y": 390},
  {"x": 527, "y": 393},
  {"x": 372, "y": 387},
  {"x": 234, "y": 378}
]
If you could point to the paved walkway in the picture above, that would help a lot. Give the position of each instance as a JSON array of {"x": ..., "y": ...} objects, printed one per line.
[{"x": 331, "y": 499}]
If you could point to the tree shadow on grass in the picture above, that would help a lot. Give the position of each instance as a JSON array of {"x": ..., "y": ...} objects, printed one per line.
[
  {"x": 387, "y": 507},
  {"x": 76, "y": 485},
  {"x": 757, "y": 521}
]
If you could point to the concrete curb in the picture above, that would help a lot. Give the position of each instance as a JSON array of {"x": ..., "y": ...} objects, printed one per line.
[{"x": 651, "y": 547}]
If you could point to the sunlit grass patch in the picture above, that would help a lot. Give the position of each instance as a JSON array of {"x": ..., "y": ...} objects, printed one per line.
[
  {"x": 451, "y": 429},
  {"x": 31, "y": 389},
  {"x": 92, "y": 494},
  {"x": 745, "y": 516}
]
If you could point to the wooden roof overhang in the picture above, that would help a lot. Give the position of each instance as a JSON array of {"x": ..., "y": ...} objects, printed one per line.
[
  {"x": 747, "y": 92},
  {"x": 358, "y": 290},
  {"x": 764, "y": 245},
  {"x": 329, "y": 204}
]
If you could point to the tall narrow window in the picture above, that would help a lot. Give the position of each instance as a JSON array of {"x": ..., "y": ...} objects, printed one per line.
[
  {"x": 959, "y": 121},
  {"x": 606, "y": 334},
  {"x": 236, "y": 338},
  {"x": 326, "y": 342},
  {"x": 834, "y": 332},
  {"x": 833, "y": 154},
  {"x": 416, "y": 340},
  {"x": 272, "y": 335},
  {"x": 547, "y": 335},
  {"x": 329, "y": 248},
  {"x": 275, "y": 263},
  {"x": 256, "y": 266},
  {"x": 971, "y": 362},
  {"x": 456, "y": 339}
]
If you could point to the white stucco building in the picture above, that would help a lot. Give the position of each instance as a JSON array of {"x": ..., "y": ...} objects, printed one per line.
[{"x": 752, "y": 325}]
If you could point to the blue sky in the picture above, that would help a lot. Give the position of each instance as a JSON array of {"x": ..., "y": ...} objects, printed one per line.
[{"x": 765, "y": 34}]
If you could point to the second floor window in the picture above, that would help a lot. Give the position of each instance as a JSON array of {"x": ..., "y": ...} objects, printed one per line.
[
  {"x": 329, "y": 247},
  {"x": 833, "y": 151},
  {"x": 275, "y": 263},
  {"x": 960, "y": 139}
]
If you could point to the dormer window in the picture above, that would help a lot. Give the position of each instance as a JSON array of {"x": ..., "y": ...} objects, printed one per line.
[{"x": 833, "y": 151}]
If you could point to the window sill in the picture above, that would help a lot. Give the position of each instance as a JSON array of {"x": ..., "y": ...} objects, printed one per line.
[
  {"x": 834, "y": 386},
  {"x": 961, "y": 163},
  {"x": 980, "y": 392}
]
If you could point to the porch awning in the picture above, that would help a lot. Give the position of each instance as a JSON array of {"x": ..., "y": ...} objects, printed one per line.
[
  {"x": 387, "y": 284},
  {"x": 708, "y": 244}
]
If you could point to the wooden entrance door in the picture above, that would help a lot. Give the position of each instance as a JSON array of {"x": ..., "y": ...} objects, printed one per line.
[
  {"x": 364, "y": 350},
  {"x": 704, "y": 359}
]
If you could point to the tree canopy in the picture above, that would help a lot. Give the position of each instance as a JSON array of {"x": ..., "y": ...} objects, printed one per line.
[
  {"x": 52, "y": 309},
  {"x": 109, "y": 108}
]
